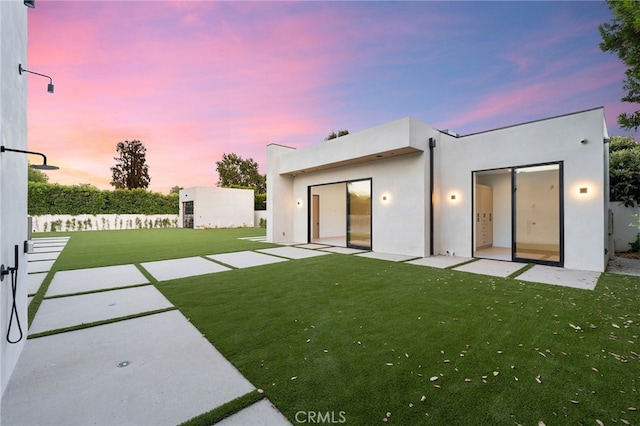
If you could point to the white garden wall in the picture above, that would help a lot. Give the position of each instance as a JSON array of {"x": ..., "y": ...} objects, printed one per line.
[
  {"x": 623, "y": 233},
  {"x": 100, "y": 222}
]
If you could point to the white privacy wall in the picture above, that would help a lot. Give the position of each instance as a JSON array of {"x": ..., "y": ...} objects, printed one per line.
[
  {"x": 555, "y": 139},
  {"x": 13, "y": 174}
]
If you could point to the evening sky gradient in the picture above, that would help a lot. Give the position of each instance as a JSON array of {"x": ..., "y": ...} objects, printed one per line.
[{"x": 195, "y": 79}]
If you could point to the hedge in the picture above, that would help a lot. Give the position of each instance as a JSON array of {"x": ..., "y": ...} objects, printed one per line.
[{"x": 48, "y": 198}]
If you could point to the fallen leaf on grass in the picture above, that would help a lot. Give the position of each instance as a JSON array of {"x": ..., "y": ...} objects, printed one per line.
[
  {"x": 467, "y": 380},
  {"x": 632, "y": 409},
  {"x": 538, "y": 379},
  {"x": 599, "y": 422},
  {"x": 595, "y": 369},
  {"x": 573, "y": 401},
  {"x": 389, "y": 363},
  {"x": 294, "y": 377},
  {"x": 433, "y": 378},
  {"x": 613, "y": 324},
  {"x": 495, "y": 373},
  {"x": 575, "y": 327},
  {"x": 626, "y": 422},
  {"x": 541, "y": 423},
  {"x": 423, "y": 399}
]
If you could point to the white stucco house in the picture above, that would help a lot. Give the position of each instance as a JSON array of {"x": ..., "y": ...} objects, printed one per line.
[
  {"x": 209, "y": 207},
  {"x": 13, "y": 181},
  {"x": 534, "y": 192}
]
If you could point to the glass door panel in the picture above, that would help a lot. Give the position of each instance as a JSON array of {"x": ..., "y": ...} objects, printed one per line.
[
  {"x": 537, "y": 213},
  {"x": 359, "y": 214}
]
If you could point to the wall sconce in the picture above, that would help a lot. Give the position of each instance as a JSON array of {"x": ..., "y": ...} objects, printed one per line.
[
  {"x": 30, "y": 3},
  {"x": 453, "y": 197},
  {"x": 299, "y": 203},
  {"x": 584, "y": 190},
  {"x": 49, "y": 86},
  {"x": 385, "y": 198},
  {"x": 584, "y": 141},
  {"x": 43, "y": 166}
]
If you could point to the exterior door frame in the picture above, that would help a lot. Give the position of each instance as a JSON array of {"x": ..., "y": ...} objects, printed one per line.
[{"x": 513, "y": 170}]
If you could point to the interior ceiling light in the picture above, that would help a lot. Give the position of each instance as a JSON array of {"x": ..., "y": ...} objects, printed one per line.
[
  {"x": 49, "y": 86},
  {"x": 43, "y": 166}
]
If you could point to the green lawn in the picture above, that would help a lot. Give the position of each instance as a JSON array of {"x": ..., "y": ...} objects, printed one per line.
[{"x": 359, "y": 338}]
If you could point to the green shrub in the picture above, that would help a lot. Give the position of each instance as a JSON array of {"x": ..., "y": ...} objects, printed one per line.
[{"x": 46, "y": 198}]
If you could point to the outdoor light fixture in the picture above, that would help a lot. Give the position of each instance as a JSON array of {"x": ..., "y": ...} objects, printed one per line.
[
  {"x": 584, "y": 141},
  {"x": 453, "y": 196},
  {"x": 584, "y": 190},
  {"x": 43, "y": 166},
  {"x": 49, "y": 86},
  {"x": 30, "y": 3}
]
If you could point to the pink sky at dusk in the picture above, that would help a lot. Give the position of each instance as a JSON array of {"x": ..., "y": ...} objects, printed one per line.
[{"x": 195, "y": 79}]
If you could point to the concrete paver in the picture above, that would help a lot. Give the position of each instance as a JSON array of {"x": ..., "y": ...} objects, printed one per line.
[
  {"x": 293, "y": 252},
  {"x": 439, "y": 261},
  {"x": 70, "y": 311},
  {"x": 586, "y": 280},
  {"x": 386, "y": 256},
  {"x": 621, "y": 265},
  {"x": 165, "y": 270},
  {"x": 42, "y": 266},
  {"x": 73, "y": 378},
  {"x": 496, "y": 268},
  {"x": 262, "y": 413},
  {"x": 313, "y": 246},
  {"x": 343, "y": 250},
  {"x": 34, "y": 281},
  {"x": 81, "y": 280},
  {"x": 246, "y": 259},
  {"x": 33, "y": 257}
]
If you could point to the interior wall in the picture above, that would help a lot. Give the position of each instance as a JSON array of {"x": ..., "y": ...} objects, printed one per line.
[
  {"x": 537, "y": 207},
  {"x": 333, "y": 209},
  {"x": 501, "y": 184}
]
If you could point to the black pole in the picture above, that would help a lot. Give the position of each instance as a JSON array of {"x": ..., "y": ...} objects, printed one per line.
[{"x": 432, "y": 145}]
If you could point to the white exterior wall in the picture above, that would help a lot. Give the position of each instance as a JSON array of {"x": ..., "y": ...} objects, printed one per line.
[
  {"x": 219, "y": 207},
  {"x": 280, "y": 204},
  {"x": 556, "y": 139},
  {"x": 394, "y": 156},
  {"x": 13, "y": 175}
]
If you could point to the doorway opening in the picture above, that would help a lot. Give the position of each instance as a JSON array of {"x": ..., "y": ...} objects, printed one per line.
[
  {"x": 340, "y": 214},
  {"x": 187, "y": 214},
  {"x": 518, "y": 214}
]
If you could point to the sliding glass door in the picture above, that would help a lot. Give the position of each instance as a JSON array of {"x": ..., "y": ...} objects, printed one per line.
[
  {"x": 537, "y": 214},
  {"x": 359, "y": 214}
]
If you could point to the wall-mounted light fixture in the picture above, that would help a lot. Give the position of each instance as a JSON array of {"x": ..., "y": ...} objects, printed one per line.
[
  {"x": 385, "y": 198},
  {"x": 453, "y": 197},
  {"x": 584, "y": 141},
  {"x": 43, "y": 166},
  {"x": 49, "y": 86},
  {"x": 30, "y": 3},
  {"x": 299, "y": 203},
  {"x": 584, "y": 190}
]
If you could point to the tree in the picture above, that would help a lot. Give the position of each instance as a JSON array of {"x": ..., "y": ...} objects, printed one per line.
[
  {"x": 334, "y": 135},
  {"x": 624, "y": 170},
  {"x": 622, "y": 36},
  {"x": 233, "y": 170},
  {"x": 34, "y": 175},
  {"x": 131, "y": 170},
  {"x": 175, "y": 189}
]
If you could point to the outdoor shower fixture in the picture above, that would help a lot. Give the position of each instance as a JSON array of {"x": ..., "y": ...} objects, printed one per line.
[
  {"x": 43, "y": 166},
  {"x": 49, "y": 86}
]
